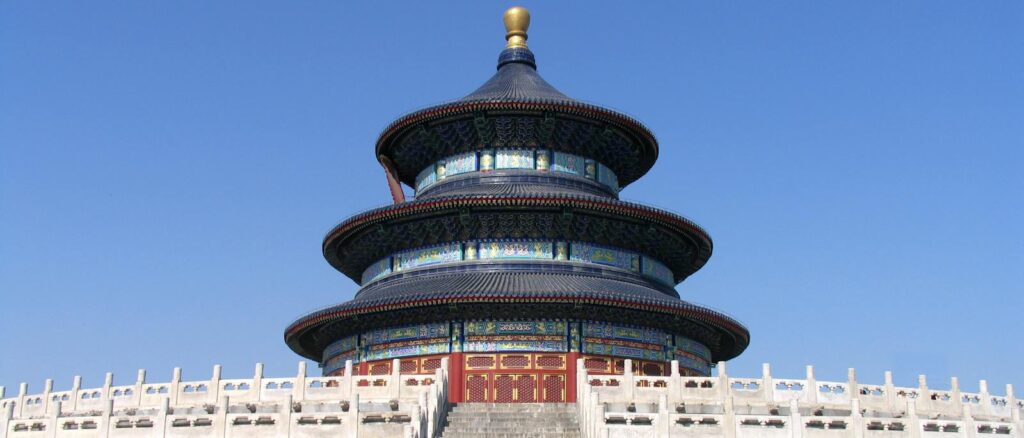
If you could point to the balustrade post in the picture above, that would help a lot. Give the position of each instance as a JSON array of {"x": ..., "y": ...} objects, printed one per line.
[
  {"x": 890, "y": 391},
  {"x": 215, "y": 389},
  {"x": 47, "y": 389},
  {"x": 914, "y": 422},
  {"x": 796, "y": 422},
  {"x": 175, "y": 384},
  {"x": 257, "y": 381},
  {"x": 51, "y": 429},
  {"x": 353, "y": 415},
  {"x": 165, "y": 410},
  {"x": 924, "y": 394},
  {"x": 416, "y": 413},
  {"x": 108, "y": 414},
  {"x": 663, "y": 417},
  {"x": 299, "y": 390},
  {"x": 140, "y": 380},
  {"x": 598, "y": 423},
  {"x": 766, "y": 383},
  {"x": 985, "y": 404},
  {"x": 968, "y": 417},
  {"x": 396, "y": 379},
  {"x": 1011, "y": 399},
  {"x": 958, "y": 398},
  {"x": 6, "y": 419},
  {"x": 851, "y": 383},
  {"x": 348, "y": 387},
  {"x": 220, "y": 422},
  {"x": 108, "y": 381},
  {"x": 857, "y": 418},
  {"x": 76, "y": 385},
  {"x": 812, "y": 385},
  {"x": 628, "y": 379},
  {"x": 724, "y": 389},
  {"x": 286, "y": 416},
  {"x": 675, "y": 384},
  {"x": 20, "y": 404},
  {"x": 729, "y": 426}
]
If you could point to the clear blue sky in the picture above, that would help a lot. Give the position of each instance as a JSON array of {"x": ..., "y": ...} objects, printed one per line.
[{"x": 168, "y": 170}]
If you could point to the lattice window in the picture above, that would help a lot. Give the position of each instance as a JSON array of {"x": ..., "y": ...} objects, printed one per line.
[
  {"x": 476, "y": 388},
  {"x": 526, "y": 389},
  {"x": 516, "y": 361},
  {"x": 379, "y": 369},
  {"x": 480, "y": 362},
  {"x": 504, "y": 389},
  {"x": 550, "y": 362},
  {"x": 554, "y": 388},
  {"x": 431, "y": 364},
  {"x": 408, "y": 366},
  {"x": 595, "y": 363},
  {"x": 653, "y": 369}
]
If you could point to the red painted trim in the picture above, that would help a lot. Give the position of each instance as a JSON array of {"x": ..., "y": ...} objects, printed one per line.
[{"x": 456, "y": 381}]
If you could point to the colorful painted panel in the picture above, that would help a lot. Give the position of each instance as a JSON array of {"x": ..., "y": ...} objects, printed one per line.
[
  {"x": 377, "y": 270},
  {"x": 568, "y": 163},
  {"x": 543, "y": 159},
  {"x": 634, "y": 352},
  {"x": 515, "y": 159},
  {"x": 463, "y": 163},
  {"x": 406, "y": 348},
  {"x": 626, "y": 333},
  {"x": 451, "y": 252},
  {"x": 487, "y": 159},
  {"x": 607, "y": 177},
  {"x": 590, "y": 169},
  {"x": 420, "y": 331},
  {"x": 585, "y": 252},
  {"x": 658, "y": 271},
  {"x": 693, "y": 347},
  {"x": 341, "y": 346},
  {"x": 515, "y": 327},
  {"x": 338, "y": 352},
  {"x": 526, "y": 344},
  {"x": 426, "y": 178},
  {"x": 516, "y": 250},
  {"x": 688, "y": 361}
]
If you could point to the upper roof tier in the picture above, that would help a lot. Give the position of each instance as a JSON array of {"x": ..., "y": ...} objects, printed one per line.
[{"x": 516, "y": 109}]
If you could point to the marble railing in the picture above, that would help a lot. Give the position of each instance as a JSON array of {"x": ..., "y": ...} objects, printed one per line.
[
  {"x": 679, "y": 406},
  {"x": 405, "y": 405}
]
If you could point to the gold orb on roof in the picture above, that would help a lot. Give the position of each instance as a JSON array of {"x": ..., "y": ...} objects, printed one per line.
[{"x": 517, "y": 21}]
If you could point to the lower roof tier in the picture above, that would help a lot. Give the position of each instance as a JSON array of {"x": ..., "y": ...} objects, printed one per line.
[
  {"x": 364, "y": 239},
  {"x": 515, "y": 295}
]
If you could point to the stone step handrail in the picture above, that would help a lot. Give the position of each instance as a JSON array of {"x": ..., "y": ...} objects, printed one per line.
[{"x": 676, "y": 405}]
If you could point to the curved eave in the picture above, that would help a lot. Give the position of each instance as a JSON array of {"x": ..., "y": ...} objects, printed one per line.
[
  {"x": 461, "y": 108},
  {"x": 296, "y": 331},
  {"x": 590, "y": 204}
]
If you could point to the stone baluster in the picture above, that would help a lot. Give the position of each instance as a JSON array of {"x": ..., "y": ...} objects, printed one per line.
[
  {"x": 285, "y": 426},
  {"x": 729, "y": 425},
  {"x": 812, "y": 385},
  {"x": 913, "y": 423},
  {"x": 724, "y": 389},
  {"x": 348, "y": 386},
  {"x": 663, "y": 416},
  {"x": 958, "y": 398},
  {"x": 353, "y": 415},
  {"x": 165, "y": 410},
  {"x": 969, "y": 425},
  {"x": 47, "y": 389},
  {"x": 299, "y": 390},
  {"x": 51, "y": 429},
  {"x": 629, "y": 382},
  {"x": 395, "y": 386},
  {"x": 220, "y": 419},
  {"x": 257, "y": 381},
  {"x": 796, "y": 422},
  {"x": 108, "y": 381},
  {"x": 76, "y": 385},
  {"x": 140, "y": 380},
  {"x": 985, "y": 404},
  {"x": 767, "y": 383},
  {"x": 1011, "y": 399},
  {"x": 20, "y": 406},
  {"x": 924, "y": 394},
  {"x": 5, "y": 421},
  {"x": 215, "y": 387},
  {"x": 108, "y": 414},
  {"x": 175, "y": 385},
  {"x": 890, "y": 391},
  {"x": 851, "y": 383},
  {"x": 856, "y": 418}
]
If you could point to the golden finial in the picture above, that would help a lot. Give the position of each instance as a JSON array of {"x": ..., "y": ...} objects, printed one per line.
[{"x": 517, "y": 20}]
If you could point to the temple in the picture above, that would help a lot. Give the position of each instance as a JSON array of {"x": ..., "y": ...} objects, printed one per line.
[{"x": 516, "y": 257}]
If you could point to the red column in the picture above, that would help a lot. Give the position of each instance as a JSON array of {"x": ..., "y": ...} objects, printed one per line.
[
  {"x": 570, "y": 376},
  {"x": 456, "y": 378}
]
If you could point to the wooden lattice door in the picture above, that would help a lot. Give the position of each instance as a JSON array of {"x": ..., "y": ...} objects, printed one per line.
[
  {"x": 553, "y": 387},
  {"x": 476, "y": 388}
]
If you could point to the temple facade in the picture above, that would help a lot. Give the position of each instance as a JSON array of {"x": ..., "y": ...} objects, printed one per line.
[{"x": 516, "y": 256}]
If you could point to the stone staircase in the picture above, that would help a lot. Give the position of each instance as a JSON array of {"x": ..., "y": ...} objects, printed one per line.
[{"x": 512, "y": 420}]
